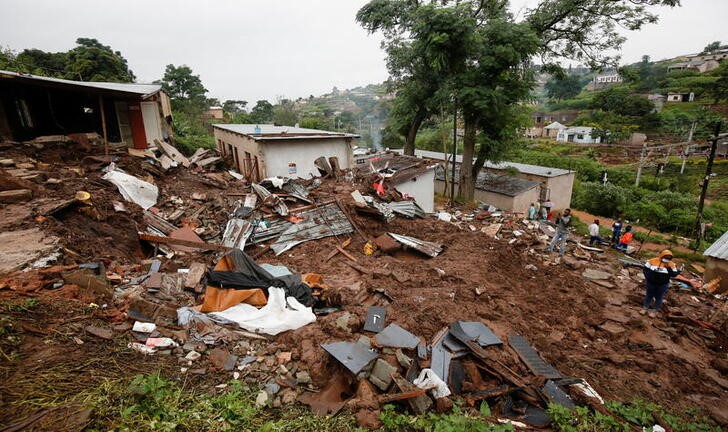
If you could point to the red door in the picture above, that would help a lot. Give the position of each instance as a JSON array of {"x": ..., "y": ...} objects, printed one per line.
[{"x": 136, "y": 121}]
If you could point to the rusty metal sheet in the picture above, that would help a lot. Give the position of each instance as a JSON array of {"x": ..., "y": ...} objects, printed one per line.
[
  {"x": 530, "y": 357},
  {"x": 319, "y": 222}
]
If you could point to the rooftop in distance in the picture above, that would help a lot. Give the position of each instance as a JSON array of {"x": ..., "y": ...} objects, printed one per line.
[
  {"x": 134, "y": 88},
  {"x": 261, "y": 132}
]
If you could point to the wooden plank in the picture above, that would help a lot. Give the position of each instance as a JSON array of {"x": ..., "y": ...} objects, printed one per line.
[
  {"x": 173, "y": 153},
  {"x": 197, "y": 245},
  {"x": 346, "y": 254}
]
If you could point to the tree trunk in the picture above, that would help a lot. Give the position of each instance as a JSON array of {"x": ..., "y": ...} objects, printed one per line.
[
  {"x": 466, "y": 188},
  {"x": 409, "y": 145}
]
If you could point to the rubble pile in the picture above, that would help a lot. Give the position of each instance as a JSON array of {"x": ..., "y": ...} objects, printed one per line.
[{"x": 337, "y": 292}]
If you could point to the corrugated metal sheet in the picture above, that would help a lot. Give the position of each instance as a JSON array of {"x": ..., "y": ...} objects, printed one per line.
[
  {"x": 324, "y": 221},
  {"x": 719, "y": 249},
  {"x": 134, "y": 88}
]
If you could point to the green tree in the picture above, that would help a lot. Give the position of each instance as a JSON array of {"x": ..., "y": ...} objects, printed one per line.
[
  {"x": 619, "y": 100},
  {"x": 711, "y": 47},
  {"x": 718, "y": 90},
  {"x": 284, "y": 113},
  {"x": 565, "y": 87},
  {"x": 262, "y": 112},
  {"x": 39, "y": 62},
  {"x": 93, "y": 61},
  {"x": 184, "y": 89},
  {"x": 233, "y": 107}
]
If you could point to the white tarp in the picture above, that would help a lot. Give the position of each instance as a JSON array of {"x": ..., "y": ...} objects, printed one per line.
[
  {"x": 279, "y": 315},
  {"x": 133, "y": 189}
]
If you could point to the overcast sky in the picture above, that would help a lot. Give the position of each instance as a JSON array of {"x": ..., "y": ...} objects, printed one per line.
[{"x": 261, "y": 49}]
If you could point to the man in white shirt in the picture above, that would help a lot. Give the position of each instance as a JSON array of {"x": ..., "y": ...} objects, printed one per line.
[{"x": 594, "y": 237}]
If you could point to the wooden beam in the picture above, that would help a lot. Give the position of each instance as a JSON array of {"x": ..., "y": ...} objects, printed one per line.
[
  {"x": 103, "y": 124},
  {"x": 169, "y": 240}
]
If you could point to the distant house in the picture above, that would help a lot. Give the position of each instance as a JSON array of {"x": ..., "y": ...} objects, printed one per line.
[
  {"x": 604, "y": 80},
  {"x": 701, "y": 66},
  {"x": 555, "y": 184},
  {"x": 543, "y": 118},
  {"x": 215, "y": 113},
  {"x": 578, "y": 134},
  {"x": 265, "y": 150},
  {"x": 680, "y": 97},
  {"x": 716, "y": 264},
  {"x": 33, "y": 106},
  {"x": 552, "y": 130},
  {"x": 504, "y": 192}
]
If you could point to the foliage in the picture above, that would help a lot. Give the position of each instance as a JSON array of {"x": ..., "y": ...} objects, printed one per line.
[
  {"x": 190, "y": 133},
  {"x": 262, "y": 112},
  {"x": 232, "y": 107},
  {"x": 184, "y": 89},
  {"x": 620, "y": 101},
  {"x": 457, "y": 421},
  {"x": 90, "y": 60},
  {"x": 718, "y": 89},
  {"x": 284, "y": 114},
  {"x": 565, "y": 87}
]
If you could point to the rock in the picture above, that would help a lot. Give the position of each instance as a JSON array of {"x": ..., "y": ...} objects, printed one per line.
[
  {"x": 288, "y": 396},
  {"x": 193, "y": 355},
  {"x": 603, "y": 283},
  {"x": 222, "y": 359},
  {"x": 531, "y": 267},
  {"x": 272, "y": 388},
  {"x": 283, "y": 357},
  {"x": 302, "y": 377},
  {"x": 344, "y": 322},
  {"x": 276, "y": 403},
  {"x": 100, "y": 332},
  {"x": 381, "y": 375},
  {"x": 200, "y": 371},
  {"x": 262, "y": 399},
  {"x": 592, "y": 274},
  {"x": 403, "y": 359}
]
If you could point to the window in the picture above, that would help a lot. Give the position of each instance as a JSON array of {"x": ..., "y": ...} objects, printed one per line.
[{"x": 579, "y": 136}]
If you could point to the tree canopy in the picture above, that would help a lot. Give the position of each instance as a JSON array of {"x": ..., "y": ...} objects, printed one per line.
[{"x": 184, "y": 89}]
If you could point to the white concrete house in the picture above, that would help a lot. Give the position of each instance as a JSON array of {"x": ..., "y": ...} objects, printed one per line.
[
  {"x": 552, "y": 130},
  {"x": 578, "y": 134},
  {"x": 261, "y": 151}
]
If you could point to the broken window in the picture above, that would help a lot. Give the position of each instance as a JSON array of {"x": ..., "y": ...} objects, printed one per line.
[{"x": 21, "y": 107}]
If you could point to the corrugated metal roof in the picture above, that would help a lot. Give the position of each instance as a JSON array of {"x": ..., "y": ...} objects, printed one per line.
[
  {"x": 273, "y": 132},
  {"x": 144, "y": 90},
  {"x": 555, "y": 125},
  {"x": 537, "y": 170},
  {"x": 587, "y": 130},
  {"x": 500, "y": 184},
  {"x": 719, "y": 249}
]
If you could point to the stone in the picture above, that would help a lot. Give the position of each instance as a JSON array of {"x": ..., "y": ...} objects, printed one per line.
[
  {"x": 262, "y": 399},
  {"x": 283, "y": 357},
  {"x": 381, "y": 375},
  {"x": 193, "y": 356},
  {"x": 403, "y": 359},
  {"x": 303, "y": 377},
  {"x": 222, "y": 359},
  {"x": 100, "y": 332},
  {"x": 288, "y": 396},
  {"x": 200, "y": 371},
  {"x": 344, "y": 322},
  {"x": 612, "y": 327},
  {"x": 272, "y": 388},
  {"x": 592, "y": 274},
  {"x": 364, "y": 340}
]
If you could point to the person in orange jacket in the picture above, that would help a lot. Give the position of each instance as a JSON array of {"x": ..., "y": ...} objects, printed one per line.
[
  {"x": 625, "y": 240},
  {"x": 658, "y": 272}
]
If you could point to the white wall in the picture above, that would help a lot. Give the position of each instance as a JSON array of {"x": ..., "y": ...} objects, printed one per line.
[
  {"x": 278, "y": 154},
  {"x": 422, "y": 189}
]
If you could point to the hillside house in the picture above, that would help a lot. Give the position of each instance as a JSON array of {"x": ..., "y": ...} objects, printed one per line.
[
  {"x": 604, "y": 80},
  {"x": 716, "y": 264},
  {"x": 680, "y": 97},
  {"x": 578, "y": 134},
  {"x": 130, "y": 113},
  {"x": 265, "y": 150},
  {"x": 507, "y": 193},
  {"x": 411, "y": 176}
]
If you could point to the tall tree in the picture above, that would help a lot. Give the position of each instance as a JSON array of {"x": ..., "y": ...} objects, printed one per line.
[
  {"x": 233, "y": 107},
  {"x": 426, "y": 51},
  {"x": 184, "y": 89},
  {"x": 564, "y": 87},
  {"x": 262, "y": 112},
  {"x": 93, "y": 61}
]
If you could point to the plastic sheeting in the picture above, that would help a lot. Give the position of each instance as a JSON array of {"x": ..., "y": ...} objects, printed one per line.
[
  {"x": 131, "y": 188},
  {"x": 279, "y": 315}
]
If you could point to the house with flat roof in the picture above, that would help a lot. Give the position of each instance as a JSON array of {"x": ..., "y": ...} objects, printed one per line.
[
  {"x": 507, "y": 193},
  {"x": 130, "y": 113},
  {"x": 555, "y": 184},
  {"x": 578, "y": 134},
  {"x": 260, "y": 151}
]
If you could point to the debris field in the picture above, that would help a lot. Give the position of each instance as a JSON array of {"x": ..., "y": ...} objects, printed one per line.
[{"x": 334, "y": 292}]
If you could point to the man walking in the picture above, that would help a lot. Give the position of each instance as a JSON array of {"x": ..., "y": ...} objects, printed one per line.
[
  {"x": 616, "y": 232},
  {"x": 594, "y": 237},
  {"x": 658, "y": 272},
  {"x": 563, "y": 222}
]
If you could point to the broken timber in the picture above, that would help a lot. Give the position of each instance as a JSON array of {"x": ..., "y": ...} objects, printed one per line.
[{"x": 197, "y": 245}]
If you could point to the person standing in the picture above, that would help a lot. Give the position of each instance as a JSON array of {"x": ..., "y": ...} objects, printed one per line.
[
  {"x": 616, "y": 232},
  {"x": 563, "y": 222},
  {"x": 625, "y": 240},
  {"x": 531, "y": 212},
  {"x": 658, "y": 271},
  {"x": 594, "y": 237}
]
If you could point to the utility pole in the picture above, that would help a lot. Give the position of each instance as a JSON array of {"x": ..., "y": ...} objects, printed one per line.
[
  {"x": 454, "y": 150},
  {"x": 639, "y": 167},
  {"x": 704, "y": 190},
  {"x": 686, "y": 151}
]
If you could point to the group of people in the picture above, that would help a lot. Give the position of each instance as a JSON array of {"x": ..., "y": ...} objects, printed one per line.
[
  {"x": 619, "y": 240},
  {"x": 657, "y": 271},
  {"x": 539, "y": 211}
]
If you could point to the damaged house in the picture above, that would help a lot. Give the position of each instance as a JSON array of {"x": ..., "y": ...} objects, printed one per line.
[
  {"x": 129, "y": 113},
  {"x": 261, "y": 151}
]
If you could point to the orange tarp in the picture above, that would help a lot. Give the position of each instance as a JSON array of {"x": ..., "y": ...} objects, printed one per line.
[{"x": 219, "y": 299}]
